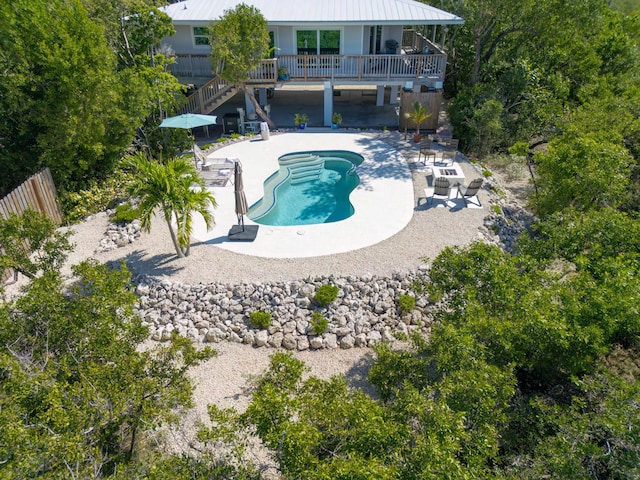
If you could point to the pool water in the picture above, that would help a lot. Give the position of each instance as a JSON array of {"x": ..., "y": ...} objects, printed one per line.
[{"x": 323, "y": 198}]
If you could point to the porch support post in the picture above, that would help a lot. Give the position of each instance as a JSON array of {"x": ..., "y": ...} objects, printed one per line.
[
  {"x": 393, "y": 99},
  {"x": 379, "y": 95},
  {"x": 328, "y": 103},
  {"x": 444, "y": 36},
  {"x": 262, "y": 96},
  {"x": 249, "y": 108}
]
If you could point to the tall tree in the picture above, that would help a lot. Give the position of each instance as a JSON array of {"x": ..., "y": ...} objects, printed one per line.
[
  {"x": 584, "y": 171},
  {"x": 61, "y": 104},
  {"x": 239, "y": 42},
  {"x": 178, "y": 191}
]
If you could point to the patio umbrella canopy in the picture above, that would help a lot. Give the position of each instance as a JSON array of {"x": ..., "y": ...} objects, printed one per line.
[
  {"x": 188, "y": 121},
  {"x": 238, "y": 190}
]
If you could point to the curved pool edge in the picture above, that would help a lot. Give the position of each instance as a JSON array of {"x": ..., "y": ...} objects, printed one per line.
[
  {"x": 299, "y": 168},
  {"x": 384, "y": 201}
]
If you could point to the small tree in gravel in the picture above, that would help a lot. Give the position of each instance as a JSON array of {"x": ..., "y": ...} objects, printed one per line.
[
  {"x": 325, "y": 295},
  {"x": 260, "y": 319},
  {"x": 176, "y": 188}
]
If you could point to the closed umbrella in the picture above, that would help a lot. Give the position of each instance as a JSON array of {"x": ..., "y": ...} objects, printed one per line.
[{"x": 241, "y": 199}]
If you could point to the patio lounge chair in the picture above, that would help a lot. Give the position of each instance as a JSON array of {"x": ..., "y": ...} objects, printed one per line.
[
  {"x": 470, "y": 191},
  {"x": 217, "y": 171},
  {"x": 199, "y": 157},
  {"x": 440, "y": 190},
  {"x": 427, "y": 150}
]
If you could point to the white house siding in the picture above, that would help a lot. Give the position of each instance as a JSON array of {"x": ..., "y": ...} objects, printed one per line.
[{"x": 286, "y": 41}]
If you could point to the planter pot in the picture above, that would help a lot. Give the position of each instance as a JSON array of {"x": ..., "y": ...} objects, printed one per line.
[
  {"x": 334, "y": 126},
  {"x": 417, "y": 137},
  {"x": 283, "y": 77},
  {"x": 302, "y": 126}
]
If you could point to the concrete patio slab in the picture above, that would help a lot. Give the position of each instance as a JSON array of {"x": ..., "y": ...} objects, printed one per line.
[{"x": 383, "y": 202}]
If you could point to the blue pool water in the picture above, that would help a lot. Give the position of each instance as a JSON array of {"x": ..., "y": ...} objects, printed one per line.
[{"x": 309, "y": 188}]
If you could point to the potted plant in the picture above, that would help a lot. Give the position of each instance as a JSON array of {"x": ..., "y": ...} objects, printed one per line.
[
  {"x": 336, "y": 120},
  {"x": 301, "y": 120},
  {"x": 418, "y": 115},
  {"x": 283, "y": 73}
]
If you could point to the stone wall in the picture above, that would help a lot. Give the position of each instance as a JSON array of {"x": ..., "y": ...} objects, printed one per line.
[{"x": 365, "y": 312}]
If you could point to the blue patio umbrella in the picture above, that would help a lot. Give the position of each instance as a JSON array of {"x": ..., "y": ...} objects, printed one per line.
[{"x": 188, "y": 121}]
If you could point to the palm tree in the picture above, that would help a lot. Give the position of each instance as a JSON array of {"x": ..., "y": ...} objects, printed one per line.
[
  {"x": 418, "y": 116},
  {"x": 169, "y": 186}
]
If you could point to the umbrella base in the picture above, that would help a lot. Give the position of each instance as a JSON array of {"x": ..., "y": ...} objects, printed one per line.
[{"x": 238, "y": 233}]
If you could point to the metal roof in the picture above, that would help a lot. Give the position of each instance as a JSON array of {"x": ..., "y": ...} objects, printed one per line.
[{"x": 281, "y": 12}]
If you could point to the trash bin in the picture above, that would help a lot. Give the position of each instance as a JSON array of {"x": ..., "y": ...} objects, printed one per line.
[
  {"x": 231, "y": 123},
  {"x": 264, "y": 130}
]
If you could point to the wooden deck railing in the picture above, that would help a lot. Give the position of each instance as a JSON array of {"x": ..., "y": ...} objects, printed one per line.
[
  {"x": 364, "y": 67},
  {"x": 343, "y": 67}
]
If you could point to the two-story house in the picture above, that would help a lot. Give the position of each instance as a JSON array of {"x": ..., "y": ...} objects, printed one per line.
[{"x": 389, "y": 44}]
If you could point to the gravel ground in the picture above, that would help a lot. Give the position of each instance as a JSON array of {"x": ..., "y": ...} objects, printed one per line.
[{"x": 224, "y": 379}]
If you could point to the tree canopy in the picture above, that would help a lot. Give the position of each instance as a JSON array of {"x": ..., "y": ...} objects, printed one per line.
[
  {"x": 239, "y": 42},
  {"x": 76, "y": 86}
]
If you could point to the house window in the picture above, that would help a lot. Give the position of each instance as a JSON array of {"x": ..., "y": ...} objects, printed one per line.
[
  {"x": 272, "y": 44},
  {"x": 318, "y": 42},
  {"x": 201, "y": 36}
]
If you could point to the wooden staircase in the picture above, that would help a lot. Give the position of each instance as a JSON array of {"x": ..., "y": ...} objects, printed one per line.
[
  {"x": 209, "y": 97},
  {"x": 217, "y": 91}
]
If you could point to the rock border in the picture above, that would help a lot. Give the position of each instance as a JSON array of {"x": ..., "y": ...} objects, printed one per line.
[{"x": 365, "y": 312}]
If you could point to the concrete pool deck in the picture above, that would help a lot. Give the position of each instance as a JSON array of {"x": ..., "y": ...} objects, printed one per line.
[{"x": 383, "y": 202}]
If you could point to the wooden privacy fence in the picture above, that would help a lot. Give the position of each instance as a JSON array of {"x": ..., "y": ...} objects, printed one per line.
[
  {"x": 431, "y": 100},
  {"x": 37, "y": 193}
]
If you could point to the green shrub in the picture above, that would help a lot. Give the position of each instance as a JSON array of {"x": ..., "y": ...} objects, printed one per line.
[
  {"x": 125, "y": 213},
  {"x": 487, "y": 173},
  {"x": 498, "y": 160},
  {"x": 515, "y": 170},
  {"x": 406, "y": 303},
  {"x": 221, "y": 140},
  {"x": 260, "y": 319},
  {"x": 496, "y": 209},
  {"x": 498, "y": 191},
  {"x": 319, "y": 323},
  {"x": 417, "y": 286},
  {"x": 325, "y": 295},
  {"x": 235, "y": 135},
  {"x": 401, "y": 336},
  {"x": 97, "y": 197}
]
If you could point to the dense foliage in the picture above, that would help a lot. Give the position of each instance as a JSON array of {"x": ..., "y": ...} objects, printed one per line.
[
  {"x": 79, "y": 79},
  {"x": 527, "y": 71},
  {"x": 78, "y": 395}
]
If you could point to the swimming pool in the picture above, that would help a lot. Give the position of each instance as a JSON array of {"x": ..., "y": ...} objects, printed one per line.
[{"x": 309, "y": 188}]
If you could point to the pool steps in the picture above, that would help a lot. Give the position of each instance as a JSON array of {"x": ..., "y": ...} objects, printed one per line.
[
  {"x": 302, "y": 168},
  {"x": 299, "y": 168}
]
